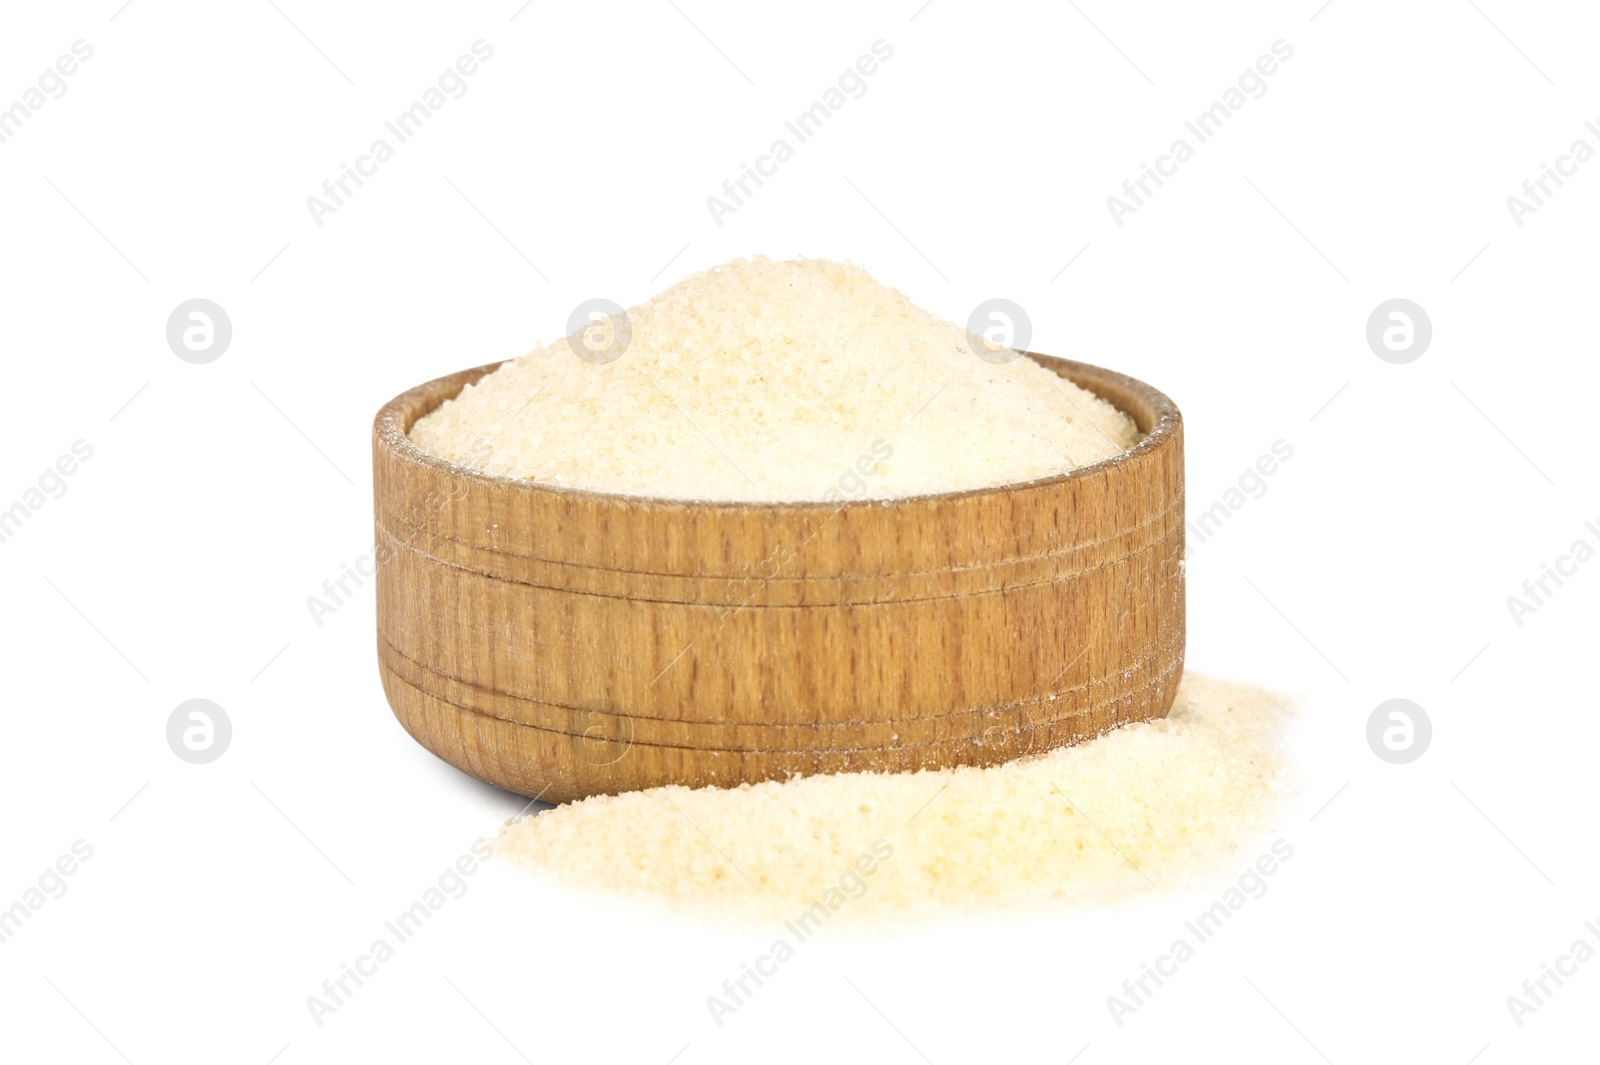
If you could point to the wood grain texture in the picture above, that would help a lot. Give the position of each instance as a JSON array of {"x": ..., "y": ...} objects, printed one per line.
[{"x": 562, "y": 643}]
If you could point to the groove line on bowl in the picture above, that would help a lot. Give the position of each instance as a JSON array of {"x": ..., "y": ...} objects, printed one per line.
[
  {"x": 1001, "y": 586},
  {"x": 1155, "y": 681},
  {"x": 390, "y": 655}
]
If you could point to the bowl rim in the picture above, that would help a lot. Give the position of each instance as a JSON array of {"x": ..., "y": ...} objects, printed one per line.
[{"x": 388, "y": 433}]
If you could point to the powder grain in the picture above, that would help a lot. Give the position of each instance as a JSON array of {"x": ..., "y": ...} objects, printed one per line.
[
  {"x": 775, "y": 381},
  {"x": 1146, "y": 805}
]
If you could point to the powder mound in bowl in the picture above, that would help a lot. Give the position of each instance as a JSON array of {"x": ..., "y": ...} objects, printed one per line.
[
  {"x": 1153, "y": 805},
  {"x": 775, "y": 381}
]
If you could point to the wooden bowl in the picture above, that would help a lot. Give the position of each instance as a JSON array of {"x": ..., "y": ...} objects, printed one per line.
[{"x": 563, "y": 643}]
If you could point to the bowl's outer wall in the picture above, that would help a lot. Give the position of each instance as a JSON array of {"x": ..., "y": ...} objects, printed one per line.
[{"x": 562, "y": 644}]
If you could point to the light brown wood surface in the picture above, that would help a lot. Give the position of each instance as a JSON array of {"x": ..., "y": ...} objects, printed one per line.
[{"x": 561, "y": 643}]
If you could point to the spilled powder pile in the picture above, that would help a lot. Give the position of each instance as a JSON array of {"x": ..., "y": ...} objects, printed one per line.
[
  {"x": 774, "y": 381},
  {"x": 1147, "y": 805}
]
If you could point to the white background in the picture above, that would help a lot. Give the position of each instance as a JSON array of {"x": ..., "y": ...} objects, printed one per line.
[{"x": 219, "y": 497}]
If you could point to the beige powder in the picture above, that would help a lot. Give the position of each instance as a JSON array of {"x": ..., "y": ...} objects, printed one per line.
[
  {"x": 1144, "y": 806},
  {"x": 764, "y": 380}
]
